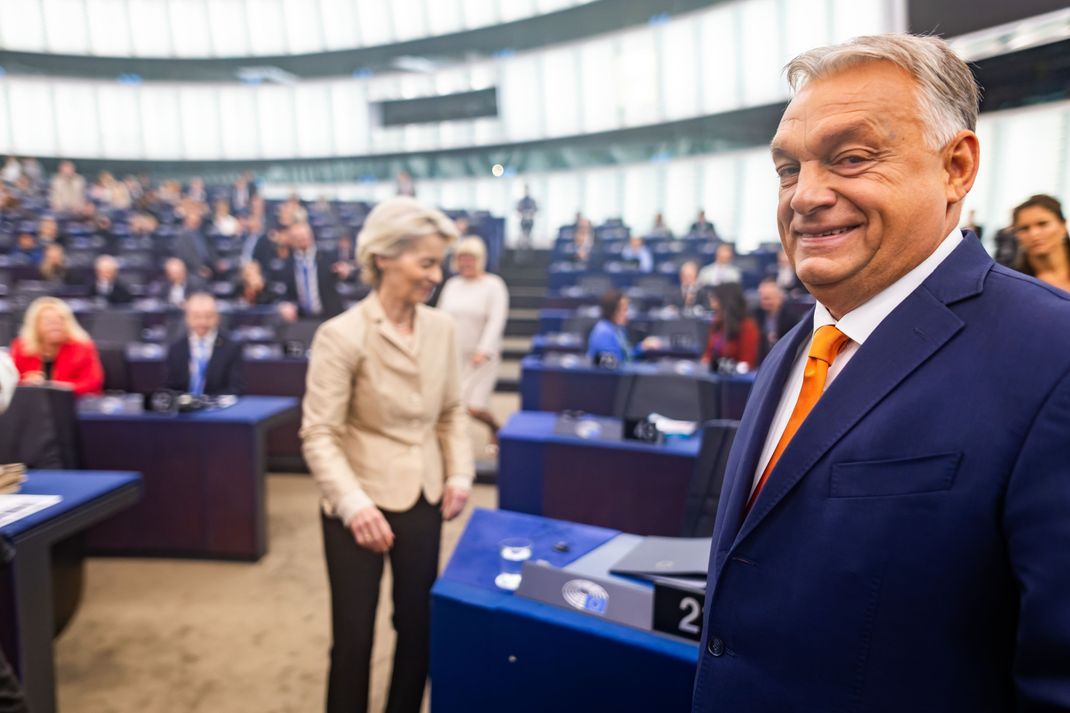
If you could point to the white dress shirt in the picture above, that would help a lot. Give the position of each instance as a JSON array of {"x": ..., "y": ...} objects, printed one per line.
[
  {"x": 307, "y": 259},
  {"x": 857, "y": 324},
  {"x": 200, "y": 348}
]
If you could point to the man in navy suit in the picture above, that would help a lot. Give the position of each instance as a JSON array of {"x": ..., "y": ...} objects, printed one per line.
[
  {"x": 311, "y": 281},
  {"x": 893, "y": 533},
  {"x": 204, "y": 363}
]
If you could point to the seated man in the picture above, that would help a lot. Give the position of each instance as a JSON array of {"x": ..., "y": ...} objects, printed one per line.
[
  {"x": 204, "y": 362},
  {"x": 772, "y": 318},
  {"x": 106, "y": 284},
  {"x": 722, "y": 269},
  {"x": 177, "y": 284},
  {"x": 311, "y": 283},
  {"x": 688, "y": 296},
  {"x": 638, "y": 254}
]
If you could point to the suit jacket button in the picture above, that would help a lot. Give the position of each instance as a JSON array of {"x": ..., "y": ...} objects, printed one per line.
[{"x": 715, "y": 646}]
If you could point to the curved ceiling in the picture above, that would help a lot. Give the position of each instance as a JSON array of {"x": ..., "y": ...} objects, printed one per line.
[{"x": 328, "y": 44}]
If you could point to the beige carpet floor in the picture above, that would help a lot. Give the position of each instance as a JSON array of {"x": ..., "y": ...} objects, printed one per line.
[{"x": 186, "y": 636}]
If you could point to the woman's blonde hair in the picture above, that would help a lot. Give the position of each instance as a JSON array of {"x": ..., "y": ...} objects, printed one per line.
[
  {"x": 392, "y": 227},
  {"x": 471, "y": 245},
  {"x": 28, "y": 332}
]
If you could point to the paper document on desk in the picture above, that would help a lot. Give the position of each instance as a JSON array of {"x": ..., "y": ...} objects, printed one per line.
[{"x": 15, "y": 507}]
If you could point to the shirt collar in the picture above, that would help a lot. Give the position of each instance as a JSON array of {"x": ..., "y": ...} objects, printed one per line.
[
  {"x": 860, "y": 322},
  {"x": 206, "y": 340}
]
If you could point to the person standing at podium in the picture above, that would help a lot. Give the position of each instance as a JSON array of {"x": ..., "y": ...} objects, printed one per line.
[
  {"x": 384, "y": 433},
  {"x": 204, "y": 362},
  {"x": 892, "y": 532}
]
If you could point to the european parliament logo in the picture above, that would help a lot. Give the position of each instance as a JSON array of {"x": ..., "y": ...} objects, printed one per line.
[{"x": 586, "y": 596}]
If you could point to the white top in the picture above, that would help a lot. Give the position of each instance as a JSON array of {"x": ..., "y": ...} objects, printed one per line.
[
  {"x": 479, "y": 308},
  {"x": 9, "y": 379},
  {"x": 718, "y": 274},
  {"x": 857, "y": 324}
]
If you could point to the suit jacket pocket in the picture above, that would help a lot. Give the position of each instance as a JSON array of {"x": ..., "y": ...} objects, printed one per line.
[{"x": 899, "y": 476}]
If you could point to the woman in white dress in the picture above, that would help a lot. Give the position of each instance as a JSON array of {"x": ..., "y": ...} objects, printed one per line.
[{"x": 479, "y": 304}]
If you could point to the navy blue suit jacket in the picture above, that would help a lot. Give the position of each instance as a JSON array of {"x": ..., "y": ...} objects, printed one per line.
[
  {"x": 222, "y": 375},
  {"x": 911, "y": 549}
]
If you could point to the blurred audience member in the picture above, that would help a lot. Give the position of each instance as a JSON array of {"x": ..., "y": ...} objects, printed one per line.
[
  {"x": 52, "y": 348},
  {"x": 12, "y": 170},
  {"x": 526, "y": 208},
  {"x": 106, "y": 284},
  {"x": 972, "y": 226},
  {"x": 177, "y": 284},
  {"x": 53, "y": 267},
  {"x": 722, "y": 270},
  {"x": 9, "y": 381},
  {"x": 241, "y": 195},
  {"x": 583, "y": 239},
  {"x": 786, "y": 277},
  {"x": 47, "y": 230},
  {"x": 734, "y": 337},
  {"x": 193, "y": 248},
  {"x": 659, "y": 229},
  {"x": 142, "y": 224},
  {"x": 169, "y": 192},
  {"x": 110, "y": 192},
  {"x": 31, "y": 168},
  {"x": 688, "y": 296},
  {"x": 405, "y": 185},
  {"x": 638, "y": 254},
  {"x": 251, "y": 289},
  {"x": 223, "y": 223},
  {"x": 67, "y": 191},
  {"x": 608, "y": 343},
  {"x": 702, "y": 227},
  {"x": 291, "y": 212},
  {"x": 204, "y": 362},
  {"x": 196, "y": 191},
  {"x": 1045, "y": 246},
  {"x": 772, "y": 316},
  {"x": 27, "y": 250},
  {"x": 311, "y": 283},
  {"x": 479, "y": 304}
]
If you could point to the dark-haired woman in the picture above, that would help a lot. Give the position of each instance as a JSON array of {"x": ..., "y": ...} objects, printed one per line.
[
  {"x": 733, "y": 335},
  {"x": 1042, "y": 236}
]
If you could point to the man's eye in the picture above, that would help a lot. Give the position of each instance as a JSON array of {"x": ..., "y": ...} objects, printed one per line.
[{"x": 787, "y": 171}]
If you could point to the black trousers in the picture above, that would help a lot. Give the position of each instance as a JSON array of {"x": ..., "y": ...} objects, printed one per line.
[{"x": 355, "y": 573}]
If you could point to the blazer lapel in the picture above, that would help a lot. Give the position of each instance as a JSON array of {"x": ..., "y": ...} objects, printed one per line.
[
  {"x": 743, "y": 459},
  {"x": 907, "y": 337},
  {"x": 386, "y": 330}
]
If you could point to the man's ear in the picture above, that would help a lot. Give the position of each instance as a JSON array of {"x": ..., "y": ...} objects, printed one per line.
[{"x": 961, "y": 160}]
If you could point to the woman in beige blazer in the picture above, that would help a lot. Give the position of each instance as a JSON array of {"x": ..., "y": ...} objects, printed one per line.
[{"x": 384, "y": 434}]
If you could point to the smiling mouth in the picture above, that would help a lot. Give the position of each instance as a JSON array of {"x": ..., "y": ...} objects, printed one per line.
[{"x": 832, "y": 232}]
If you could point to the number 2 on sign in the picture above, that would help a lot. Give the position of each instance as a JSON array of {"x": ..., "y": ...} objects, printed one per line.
[{"x": 694, "y": 610}]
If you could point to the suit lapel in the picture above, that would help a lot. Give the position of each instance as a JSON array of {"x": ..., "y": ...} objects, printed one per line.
[
  {"x": 915, "y": 330},
  {"x": 387, "y": 331},
  {"x": 743, "y": 459}
]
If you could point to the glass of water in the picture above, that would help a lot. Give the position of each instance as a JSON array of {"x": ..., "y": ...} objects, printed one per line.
[{"x": 513, "y": 552}]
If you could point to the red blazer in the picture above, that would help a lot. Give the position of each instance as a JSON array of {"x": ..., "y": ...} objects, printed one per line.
[
  {"x": 76, "y": 364},
  {"x": 743, "y": 348}
]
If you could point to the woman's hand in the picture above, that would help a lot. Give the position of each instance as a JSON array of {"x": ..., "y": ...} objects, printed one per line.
[
  {"x": 371, "y": 530},
  {"x": 453, "y": 501},
  {"x": 33, "y": 378},
  {"x": 479, "y": 357}
]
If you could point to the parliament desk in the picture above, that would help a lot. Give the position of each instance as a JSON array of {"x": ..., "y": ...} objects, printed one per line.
[
  {"x": 266, "y": 376},
  {"x": 575, "y": 385},
  {"x": 26, "y": 586},
  {"x": 204, "y": 478},
  {"x": 492, "y": 650},
  {"x": 546, "y": 468}
]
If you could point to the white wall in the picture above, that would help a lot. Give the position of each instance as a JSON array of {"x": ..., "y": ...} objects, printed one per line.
[{"x": 723, "y": 58}]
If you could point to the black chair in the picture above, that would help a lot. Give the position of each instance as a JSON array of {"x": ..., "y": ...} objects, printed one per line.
[
  {"x": 682, "y": 333},
  {"x": 40, "y": 429},
  {"x": 704, "y": 490},
  {"x": 677, "y": 396},
  {"x": 115, "y": 327},
  {"x": 299, "y": 333}
]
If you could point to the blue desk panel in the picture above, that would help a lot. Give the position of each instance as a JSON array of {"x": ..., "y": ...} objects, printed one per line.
[
  {"x": 204, "y": 478},
  {"x": 494, "y": 651},
  {"x": 627, "y": 485},
  {"x": 27, "y": 619}
]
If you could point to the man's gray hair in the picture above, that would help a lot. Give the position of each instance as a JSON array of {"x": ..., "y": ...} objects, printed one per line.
[{"x": 948, "y": 94}]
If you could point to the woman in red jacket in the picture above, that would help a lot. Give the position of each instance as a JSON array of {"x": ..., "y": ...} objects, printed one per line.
[
  {"x": 52, "y": 348},
  {"x": 733, "y": 334}
]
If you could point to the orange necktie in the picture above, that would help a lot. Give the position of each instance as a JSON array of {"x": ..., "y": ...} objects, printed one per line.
[{"x": 828, "y": 342}]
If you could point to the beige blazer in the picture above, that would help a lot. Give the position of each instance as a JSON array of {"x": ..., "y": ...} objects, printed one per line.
[{"x": 382, "y": 420}]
